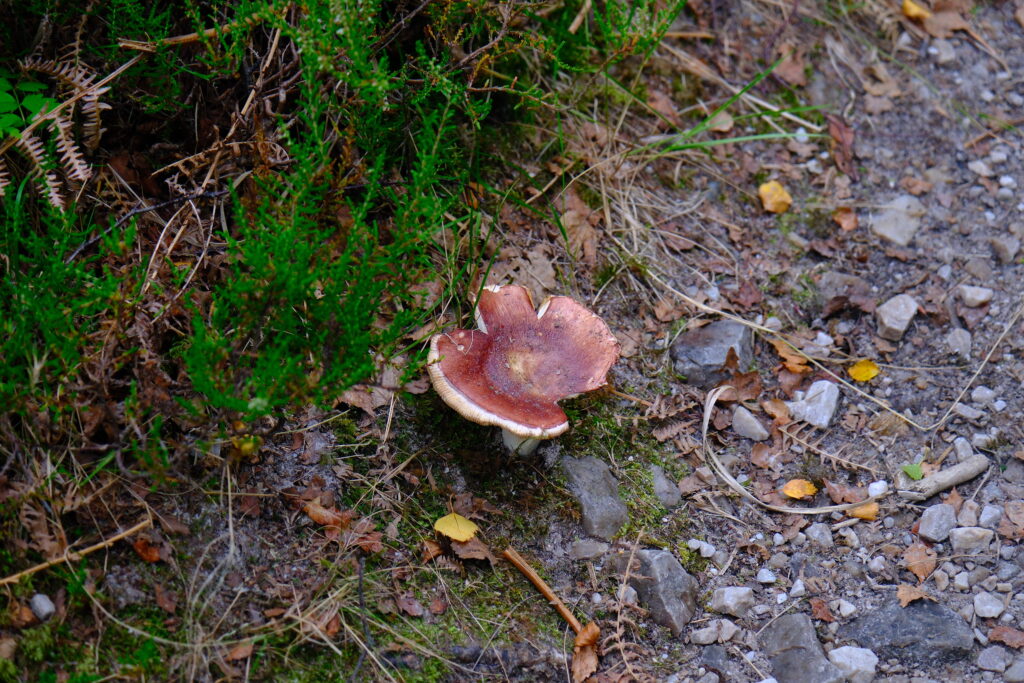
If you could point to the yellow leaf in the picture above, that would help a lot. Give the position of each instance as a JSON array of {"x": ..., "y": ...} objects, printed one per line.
[
  {"x": 912, "y": 10},
  {"x": 863, "y": 370},
  {"x": 867, "y": 511},
  {"x": 799, "y": 488},
  {"x": 456, "y": 527},
  {"x": 906, "y": 594},
  {"x": 774, "y": 197}
]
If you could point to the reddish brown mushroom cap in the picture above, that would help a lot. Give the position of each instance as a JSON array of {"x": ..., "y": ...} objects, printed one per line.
[{"x": 514, "y": 369}]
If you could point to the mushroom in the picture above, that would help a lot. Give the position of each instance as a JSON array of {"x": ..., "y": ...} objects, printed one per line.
[{"x": 512, "y": 371}]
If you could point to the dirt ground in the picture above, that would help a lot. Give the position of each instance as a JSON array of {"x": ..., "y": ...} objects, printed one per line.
[{"x": 266, "y": 580}]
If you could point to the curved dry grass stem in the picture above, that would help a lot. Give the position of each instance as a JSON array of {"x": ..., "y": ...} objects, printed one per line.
[{"x": 712, "y": 461}]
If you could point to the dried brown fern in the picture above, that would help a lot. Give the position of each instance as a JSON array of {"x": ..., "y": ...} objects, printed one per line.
[{"x": 32, "y": 147}]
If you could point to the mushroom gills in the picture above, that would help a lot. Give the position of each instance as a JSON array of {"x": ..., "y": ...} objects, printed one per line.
[{"x": 520, "y": 445}]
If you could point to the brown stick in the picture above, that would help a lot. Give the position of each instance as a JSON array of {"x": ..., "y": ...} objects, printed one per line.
[
  {"x": 73, "y": 557},
  {"x": 516, "y": 559}
]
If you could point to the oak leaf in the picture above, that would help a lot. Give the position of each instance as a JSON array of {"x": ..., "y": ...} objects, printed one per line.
[
  {"x": 921, "y": 560},
  {"x": 907, "y": 594},
  {"x": 584, "y": 653}
]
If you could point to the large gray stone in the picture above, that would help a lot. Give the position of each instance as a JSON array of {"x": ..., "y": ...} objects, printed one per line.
[
  {"x": 667, "y": 590},
  {"x": 700, "y": 354},
  {"x": 899, "y": 220},
  {"x": 817, "y": 405},
  {"x": 923, "y": 632},
  {"x": 795, "y": 653},
  {"x": 602, "y": 511}
]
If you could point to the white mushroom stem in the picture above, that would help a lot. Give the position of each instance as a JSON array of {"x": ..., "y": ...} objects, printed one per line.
[{"x": 520, "y": 445}]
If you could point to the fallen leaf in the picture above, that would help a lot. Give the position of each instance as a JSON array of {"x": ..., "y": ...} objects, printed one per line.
[
  {"x": 663, "y": 104},
  {"x": 1008, "y": 636},
  {"x": 431, "y": 549},
  {"x": 792, "y": 69},
  {"x": 874, "y": 105},
  {"x": 820, "y": 610},
  {"x": 921, "y": 560},
  {"x": 165, "y": 599},
  {"x": 777, "y": 409},
  {"x": 722, "y": 122},
  {"x": 456, "y": 527},
  {"x": 842, "y": 145},
  {"x": 146, "y": 550},
  {"x": 867, "y": 511},
  {"x": 799, "y": 488},
  {"x": 582, "y": 237},
  {"x": 912, "y": 10},
  {"x": 844, "y": 493},
  {"x": 584, "y": 653},
  {"x": 944, "y": 23},
  {"x": 915, "y": 186},
  {"x": 791, "y": 359},
  {"x": 274, "y": 612},
  {"x": 955, "y": 499},
  {"x": 907, "y": 594},
  {"x": 914, "y": 471},
  {"x": 473, "y": 549},
  {"x": 864, "y": 370},
  {"x": 330, "y": 517},
  {"x": 438, "y": 605},
  {"x": 241, "y": 651},
  {"x": 746, "y": 295},
  {"x": 845, "y": 218},
  {"x": 774, "y": 197},
  {"x": 409, "y": 604}
]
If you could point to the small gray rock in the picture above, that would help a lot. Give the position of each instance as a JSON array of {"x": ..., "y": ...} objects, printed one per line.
[
  {"x": 975, "y": 296},
  {"x": 704, "y": 636},
  {"x": 994, "y": 658},
  {"x": 899, "y": 220},
  {"x": 981, "y": 168},
  {"x": 700, "y": 354},
  {"x": 968, "y": 412},
  {"x": 982, "y": 394},
  {"x": 766, "y": 576},
  {"x": 923, "y": 632},
  {"x": 1005, "y": 248},
  {"x": 817, "y": 405},
  {"x": 958, "y": 341},
  {"x": 963, "y": 448},
  {"x": 970, "y": 540},
  {"x": 597, "y": 490},
  {"x": 746, "y": 425},
  {"x": 820, "y": 535},
  {"x": 795, "y": 653},
  {"x": 1015, "y": 674},
  {"x": 664, "y": 586},
  {"x": 990, "y": 516},
  {"x": 936, "y": 523},
  {"x": 987, "y": 605},
  {"x": 894, "y": 316},
  {"x": 943, "y": 51},
  {"x": 833, "y": 283},
  {"x": 586, "y": 549},
  {"x": 42, "y": 606},
  {"x": 734, "y": 600},
  {"x": 858, "y": 663},
  {"x": 667, "y": 492}
]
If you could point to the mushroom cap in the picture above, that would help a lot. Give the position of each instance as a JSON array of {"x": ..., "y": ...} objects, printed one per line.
[{"x": 513, "y": 370}]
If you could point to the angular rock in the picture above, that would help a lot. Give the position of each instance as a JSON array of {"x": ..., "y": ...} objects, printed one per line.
[
  {"x": 1005, "y": 248},
  {"x": 700, "y": 354},
  {"x": 746, "y": 425},
  {"x": 857, "y": 663},
  {"x": 42, "y": 606},
  {"x": 766, "y": 576},
  {"x": 987, "y": 605},
  {"x": 667, "y": 492},
  {"x": 734, "y": 600},
  {"x": 975, "y": 296},
  {"x": 970, "y": 540},
  {"x": 586, "y": 549},
  {"x": 833, "y": 283},
  {"x": 936, "y": 523},
  {"x": 923, "y": 632},
  {"x": 994, "y": 658},
  {"x": 990, "y": 516},
  {"x": 669, "y": 593},
  {"x": 894, "y": 316},
  {"x": 820, "y": 535},
  {"x": 899, "y": 220},
  {"x": 817, "y": 405},
  {"x": 981, "y": 168},
  {"x": 717, "y": 631},
  {"x": 597, "y": 490},
  {"x": 795, "y": 653},
  {"x": 958, "y": 341},
  {"x": 1015, "y": 674}
]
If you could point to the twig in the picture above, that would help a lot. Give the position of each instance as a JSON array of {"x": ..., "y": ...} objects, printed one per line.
[
  {"x": 368, "y": 638},
  {"x": 516, "y": 559},
  {"x": 147, "y": 46},
  {"x": 74, "y": 557}
]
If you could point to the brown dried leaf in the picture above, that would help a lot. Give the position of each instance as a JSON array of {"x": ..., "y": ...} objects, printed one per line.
[
  {"x": 915, "y": 186},
  {"x": 473, "y": 549},
  {"x": 820, "y": 610},
  {"x": 1008, "y": 636},
  {"x": 777, "y": 409},
  {"x": 955, "y": 499},
  {"x": 241, "y": 651},
  {"x": 431, "y": 549},
  {"x": 165, "y": 599},
  {"x": 907, "y": 594},
  {"x": 409, "y": 604},
  {"x": 920, "y": 560},
  {"x": 146, "y": 550},
  {"x": 844, "y": 493},
  {"x": 943, "y": 24},
  {"x": 584, "y": 653},
  {"x": 582, "y": 237},
  {"x": 842, "y": 145},
  {"x": 791, "y": 360},
  {"x": 328, "y": 516},
  {"x": 845, "y": 218},
  {"x": 438, "y": 606},
  {"x": 792, "y": 69}
]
